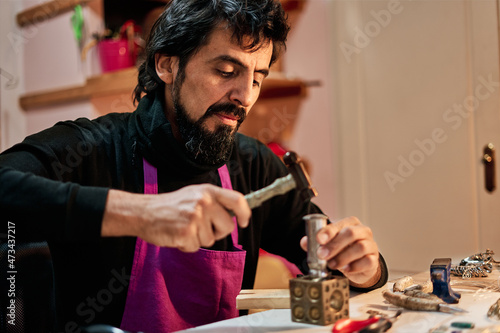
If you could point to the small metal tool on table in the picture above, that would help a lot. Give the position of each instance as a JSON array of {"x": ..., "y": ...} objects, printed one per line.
[
  {"x": 420, "y": 302},
  {"x": 440, "y": 277},
  {"x": 318, "y": 298}
]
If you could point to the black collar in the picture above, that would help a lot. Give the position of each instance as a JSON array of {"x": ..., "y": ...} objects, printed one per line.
[{"x": 156, "y": 142}]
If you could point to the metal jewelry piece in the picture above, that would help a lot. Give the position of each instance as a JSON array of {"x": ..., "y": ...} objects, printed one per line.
[{"x": 477, "y": 265}]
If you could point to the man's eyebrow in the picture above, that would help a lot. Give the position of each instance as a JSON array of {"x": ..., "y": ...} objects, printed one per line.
[{"x": 235, "y": 61}]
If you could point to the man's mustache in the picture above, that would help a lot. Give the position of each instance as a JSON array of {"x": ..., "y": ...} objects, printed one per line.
[{"x": 228, "y": 109}]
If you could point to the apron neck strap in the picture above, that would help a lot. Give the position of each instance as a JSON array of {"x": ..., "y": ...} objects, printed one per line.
[
  {"x": 151, "y": 187},
  {"x": 150, "y": 178},
  {"x": 225, "y": 181}
]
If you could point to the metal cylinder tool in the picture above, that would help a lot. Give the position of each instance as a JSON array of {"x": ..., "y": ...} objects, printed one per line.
[
  {"x": 318, "y": 298},
  {"x": 314, "y": 223}
]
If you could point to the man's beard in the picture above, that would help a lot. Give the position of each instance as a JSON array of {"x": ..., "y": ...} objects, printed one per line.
[{"x": 203, "y": 146}]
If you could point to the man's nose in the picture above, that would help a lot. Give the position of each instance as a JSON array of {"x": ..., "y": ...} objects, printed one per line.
[{"x": 244, "y": 93}]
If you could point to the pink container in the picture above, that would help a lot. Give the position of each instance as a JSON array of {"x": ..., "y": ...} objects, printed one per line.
[{"x": 114, "y": 54}]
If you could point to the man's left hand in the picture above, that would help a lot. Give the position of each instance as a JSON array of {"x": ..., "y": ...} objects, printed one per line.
[{"x": 348, "y": 246}]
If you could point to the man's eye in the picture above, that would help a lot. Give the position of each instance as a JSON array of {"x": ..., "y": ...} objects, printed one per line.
[
  {"x": 256, "y": 83},
  {"x": 226, "y": 74}
]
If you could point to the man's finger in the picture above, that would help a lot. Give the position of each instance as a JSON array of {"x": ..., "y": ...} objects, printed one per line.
[
  {"x": 235, "y": 202},
  {"x": 206, "y": 234},
  {"x": 363, "y": 264},
  {"x": 353, "y": 252},
  {"x": 332, "y": 229},
  {"x": 221, "y": 222},
  {"x": 188, "y": 242},
  {"x": 303, "y": 243}
]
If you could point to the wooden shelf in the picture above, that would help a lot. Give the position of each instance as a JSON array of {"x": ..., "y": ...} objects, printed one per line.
[
  {"x": 124, "y": 81},
  {"x": 104, "y": 85},
  {"x": 46, "y": 11}
]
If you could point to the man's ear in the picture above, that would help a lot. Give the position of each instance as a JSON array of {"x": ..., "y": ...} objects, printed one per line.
[{"x": 166, "y": 67}]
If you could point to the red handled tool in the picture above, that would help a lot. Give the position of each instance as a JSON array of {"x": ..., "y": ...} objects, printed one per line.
[
  {"x": 375, "y": 324},
  {"x": 348, "y": 325}
]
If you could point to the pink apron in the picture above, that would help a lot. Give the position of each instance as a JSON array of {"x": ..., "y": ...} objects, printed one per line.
[{"x": 171, "y": 290}]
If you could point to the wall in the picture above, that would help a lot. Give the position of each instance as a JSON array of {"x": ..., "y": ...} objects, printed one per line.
[
  {"x": 33, "y": 60},
  {"x": 52, "y": 63},
  {"x": 416, "y": 98},
  {"x": 12, "y": 41},
  {"x": 392, "y": 73},
  {"x": 308, "y": 58}
]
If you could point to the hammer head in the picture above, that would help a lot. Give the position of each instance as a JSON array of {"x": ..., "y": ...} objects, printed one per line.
[{"x": 300, "y": 175}]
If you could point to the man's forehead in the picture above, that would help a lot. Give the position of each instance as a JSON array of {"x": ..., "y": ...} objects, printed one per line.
[{"x": 224, "y": 37}]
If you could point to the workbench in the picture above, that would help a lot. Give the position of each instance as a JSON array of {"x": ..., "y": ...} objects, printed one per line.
[{"x": 475, "y": 299}]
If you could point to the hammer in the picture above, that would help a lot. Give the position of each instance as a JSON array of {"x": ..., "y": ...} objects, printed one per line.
[{"x": 297, "y": 178}]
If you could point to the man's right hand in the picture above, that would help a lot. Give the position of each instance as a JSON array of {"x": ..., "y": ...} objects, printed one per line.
[{"x": 192, "y": 217}]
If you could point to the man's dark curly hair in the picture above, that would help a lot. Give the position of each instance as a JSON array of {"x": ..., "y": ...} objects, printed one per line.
[{"x": 185, "y": 26}]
